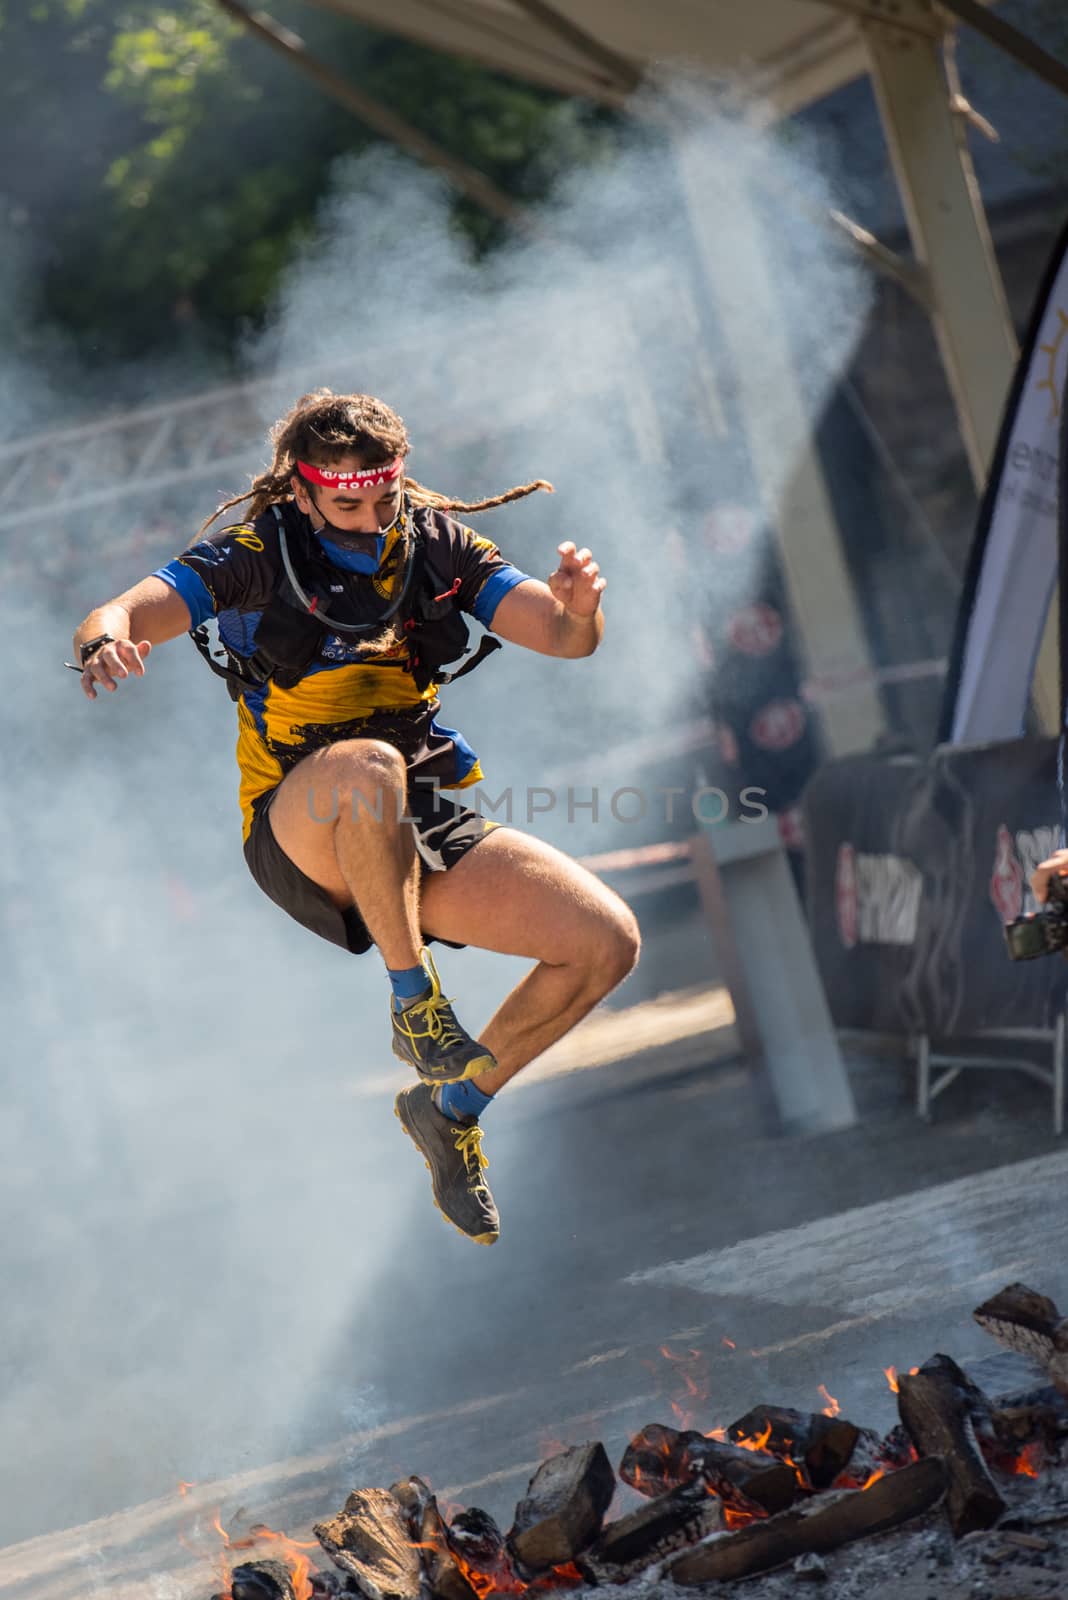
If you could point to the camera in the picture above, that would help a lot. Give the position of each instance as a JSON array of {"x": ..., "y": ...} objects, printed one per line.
[{"x": 1042, "y": 932}]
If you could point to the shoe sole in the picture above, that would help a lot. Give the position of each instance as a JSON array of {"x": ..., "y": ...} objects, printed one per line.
[
  {"x": 473, "y": 1069},
  {"x": 477, "y": 1238}
]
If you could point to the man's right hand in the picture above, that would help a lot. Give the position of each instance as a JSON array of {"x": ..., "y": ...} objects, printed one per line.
[
  {"x": 1055, "y": 866},
  {"x": 113, "y": 662}
]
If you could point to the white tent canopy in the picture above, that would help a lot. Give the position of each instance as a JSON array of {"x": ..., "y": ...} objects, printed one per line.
[{"x": 793, "y": 51}]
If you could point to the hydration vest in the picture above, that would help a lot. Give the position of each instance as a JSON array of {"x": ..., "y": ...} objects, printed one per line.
[{"x": 291, "y": 632}]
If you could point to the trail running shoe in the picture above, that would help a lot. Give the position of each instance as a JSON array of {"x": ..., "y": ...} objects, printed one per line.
[
  {"x": 454, "y": 1159},
  {"x": 427, "y": 1036}
]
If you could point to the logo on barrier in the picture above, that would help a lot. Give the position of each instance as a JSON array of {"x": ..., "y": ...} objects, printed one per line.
[
  {"x": 778, "y": 725},
  {"x": 1006, "y": 879},
  {"x": 877, "y": 898},
  {"x": 1015, "y": 858},
  {"x": 756, "y": 630}
]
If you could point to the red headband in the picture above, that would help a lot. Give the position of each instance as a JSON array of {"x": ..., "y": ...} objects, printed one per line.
[{"x": 352, "y": 480}]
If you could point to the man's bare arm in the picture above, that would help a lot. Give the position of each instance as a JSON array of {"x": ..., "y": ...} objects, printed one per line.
[
  {"x": 560, "y": 618},
  {"x": 148, "y": 614}
]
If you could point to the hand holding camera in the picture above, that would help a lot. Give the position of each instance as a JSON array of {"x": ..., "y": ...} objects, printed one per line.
[{"x": 1045, "y": 931}]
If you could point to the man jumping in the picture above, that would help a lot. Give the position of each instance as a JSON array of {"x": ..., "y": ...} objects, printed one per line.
[{"x": 338, "y": 612}]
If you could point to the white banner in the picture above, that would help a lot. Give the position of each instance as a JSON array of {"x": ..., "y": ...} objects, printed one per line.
[{"x": 1013, "y": 566}]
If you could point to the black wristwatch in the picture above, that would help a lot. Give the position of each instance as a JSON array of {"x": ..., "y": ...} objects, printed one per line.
[{"x": 89, "y": 649}]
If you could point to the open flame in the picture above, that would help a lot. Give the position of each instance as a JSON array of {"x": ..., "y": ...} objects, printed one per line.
[
  {"x": 758, "y": 1441},
  {"x": 831, "y": 1408},
  {"x": 501, "y": 1580},
  {"x": 690, "y": 1367},
  {"x": 288, "y": 1549},
  {"x": 890, "y": 1374}
]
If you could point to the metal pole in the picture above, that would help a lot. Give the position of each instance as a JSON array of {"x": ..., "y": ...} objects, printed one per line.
[
  {"x": 1011, "y": 40},
  {"x": 795, "y": 501},
  {"x": 384, "y": 121},
  {"x": 951, "y": 239},
  {"x": 949, "y": 231}
]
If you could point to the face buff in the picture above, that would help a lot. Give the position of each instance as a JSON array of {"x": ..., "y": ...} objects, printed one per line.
[
  {"x": 353, "y": 552},
  {"x": 351, "y": 560}
]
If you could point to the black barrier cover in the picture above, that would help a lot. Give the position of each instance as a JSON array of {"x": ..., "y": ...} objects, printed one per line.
[
  {"x": 913, "y": 868},
  {"x": 848, "y": 810}
]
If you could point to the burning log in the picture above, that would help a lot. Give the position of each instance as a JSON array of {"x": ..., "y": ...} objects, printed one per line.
[
  {"x": 942, "y": 1410},
  {"x": 563, "y": 1508},
  {"x": 426, "y": 1530},
  {"x": 818, "y": 1526},
  {"x": 650, "y": 1532},
  {"x": 479, "y": 1547},
  {"x": 1038, "y": 1418},
  {"x": 897, "y": 1449},
  {"x": 1030, "y": 1323},
  {"x": 262, "y": 1580},
  {"x": 872, "y": 1456},
  {"x": 820, "y": 1446},
  {"x": 368, "y": 1540},
  {"x": 660, "y": 1459}
]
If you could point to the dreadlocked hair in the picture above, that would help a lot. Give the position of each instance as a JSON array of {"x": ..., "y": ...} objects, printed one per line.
[{"x": 322, "y": 428}]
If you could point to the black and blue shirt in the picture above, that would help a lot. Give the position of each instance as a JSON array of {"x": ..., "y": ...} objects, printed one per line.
[{"x": 350, "y": 691}]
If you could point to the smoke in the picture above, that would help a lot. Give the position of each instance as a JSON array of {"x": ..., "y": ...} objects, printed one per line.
[{"x": 200, "y": 1207}]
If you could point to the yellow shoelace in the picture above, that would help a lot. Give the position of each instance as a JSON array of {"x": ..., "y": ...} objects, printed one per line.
[
  {"x": 438, "y": 1027},
  {"x": 469, "y": 1144}
]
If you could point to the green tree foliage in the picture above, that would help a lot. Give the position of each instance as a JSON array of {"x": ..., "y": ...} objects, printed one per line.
[{"x": 164, "y": 163}]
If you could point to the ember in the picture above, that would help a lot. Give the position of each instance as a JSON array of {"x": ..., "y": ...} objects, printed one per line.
[{"x": 773, "y": 1486}]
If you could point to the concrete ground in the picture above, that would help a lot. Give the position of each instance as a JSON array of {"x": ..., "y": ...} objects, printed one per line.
[{"x": 659, "y": 1244}]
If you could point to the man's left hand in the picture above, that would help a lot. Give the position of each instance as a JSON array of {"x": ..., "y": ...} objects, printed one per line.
[{"x": 577, "y": 582}]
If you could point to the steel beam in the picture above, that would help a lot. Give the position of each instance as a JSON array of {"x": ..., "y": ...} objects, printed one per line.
[
  {"x": 948, "y": 227},
  {"x": 794, "y": 495},
  {"x": 951, "y": 240}
]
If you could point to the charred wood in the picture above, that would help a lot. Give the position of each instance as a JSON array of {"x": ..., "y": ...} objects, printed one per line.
[
  {"x": 942, "y": 1411},
  {"x": 660, "y": 1459},
  {"x": 368, "y": 1540},
  {"x": 873, "y": 1455},
  {"x": 479, "y": 1546},
  {"x": 414, "y": 1498},
  {"x": 262, "y": 1580},
  {"x": 1019, "y": 1426},
  {"x": 1030, "y": 1323},
  {"x": 820, "y": 1525},
  {"x": 1045, "y": 1398},
  {"x": 426, "y": 1530},
  {"x": 326, "y": 1585},
  {"x": 563, "y": 1508},
  {"x": 820, "y": 1446},
  {"x": 650, "y": 1532},
  {"x": 896, "y": 1450}
]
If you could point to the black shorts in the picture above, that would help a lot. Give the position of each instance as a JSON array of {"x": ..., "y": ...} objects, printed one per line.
[{"x": 444, "y": 831}]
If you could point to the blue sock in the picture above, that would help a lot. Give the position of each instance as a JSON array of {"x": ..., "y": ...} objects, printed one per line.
[
  {"x": 409, "y": 983},
  {"x": 461, "y": 1100}
]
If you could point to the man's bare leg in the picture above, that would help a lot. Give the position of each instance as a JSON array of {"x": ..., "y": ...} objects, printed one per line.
[
  {"x": 517, "y": 895},
  {"x": 337, "y": 816},
  {"x": 514, "y": 894}
]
